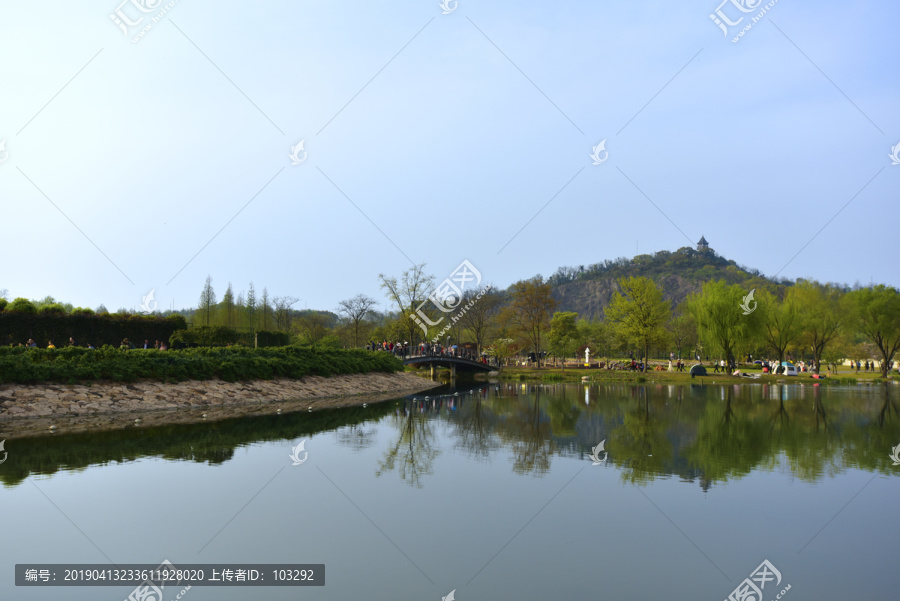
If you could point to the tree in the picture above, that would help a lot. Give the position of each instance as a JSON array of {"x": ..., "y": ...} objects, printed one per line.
[
  {"x": 503, "y": 349},
  {"x": 480, "y": 317},
  {"x": 597, "y": 336},
  {"x": 207, "y": 301},
  {"x": 563, "y": 338},
  {"x": 250, "y": 307},
  {"x": 312, "y": 326},
  {"x": 357, "y": 309},
  {"x": 228, "y": 306},
  {"x": 822, "y": 316},
  {"x": 265, "y": 308},
  {"x": 529, "y": 313},
  {"x": 640, "y": 314},
  {"x": 22, "y": 305},
  {"x": 877, "y": 314},
  {"x": 683, "y": 330},
  {"x": 780, "y": 319},
  {"x": 284, "y": 315},
  {"x": 413, "y": 287},
  {"x": 722, "y": 325}
]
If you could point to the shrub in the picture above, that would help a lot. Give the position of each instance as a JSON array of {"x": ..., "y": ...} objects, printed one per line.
[
  {"x": 52, "y": 309},
  {"x": 22, "y": 305}
]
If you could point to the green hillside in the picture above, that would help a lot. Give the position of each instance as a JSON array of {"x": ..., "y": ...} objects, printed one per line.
[{"x": 588, "y": 289}]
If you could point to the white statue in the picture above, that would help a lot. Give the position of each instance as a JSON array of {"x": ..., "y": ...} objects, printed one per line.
[{"x": 587, "y": 356}]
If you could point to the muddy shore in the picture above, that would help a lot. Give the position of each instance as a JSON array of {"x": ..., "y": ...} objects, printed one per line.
[{"x": 32, "y": 409}]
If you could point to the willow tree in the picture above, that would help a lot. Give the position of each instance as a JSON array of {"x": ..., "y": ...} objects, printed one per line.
[
  {"x": 877, "y": 314},
  {"x": 640, "y": 313},
  {"x": 722, "y": 324},
  {"x": 780, "y": 321},
  {"x": 823, "y": 317}
]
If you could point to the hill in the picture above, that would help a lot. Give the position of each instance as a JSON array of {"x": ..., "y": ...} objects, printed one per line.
[{"x": 588, "y": 290}]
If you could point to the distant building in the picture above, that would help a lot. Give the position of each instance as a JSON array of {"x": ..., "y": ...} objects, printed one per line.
[{"x": 702, "y": 244}]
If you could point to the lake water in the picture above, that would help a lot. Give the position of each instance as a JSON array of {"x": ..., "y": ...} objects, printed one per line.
[{"x": 490, "y": 492}]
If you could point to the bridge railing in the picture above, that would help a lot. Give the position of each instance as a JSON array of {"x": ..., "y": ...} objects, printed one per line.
[{"x": 405, "y": 353}]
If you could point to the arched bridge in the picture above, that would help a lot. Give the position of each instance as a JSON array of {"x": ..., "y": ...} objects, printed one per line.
[{"x": 454, "y": 363}]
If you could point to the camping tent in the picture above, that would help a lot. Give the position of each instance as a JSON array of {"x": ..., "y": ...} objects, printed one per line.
[{"x": 698, "y": 370}]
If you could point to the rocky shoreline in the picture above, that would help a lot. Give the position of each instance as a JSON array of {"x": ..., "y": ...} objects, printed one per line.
[{"x": 80, "y": 407}]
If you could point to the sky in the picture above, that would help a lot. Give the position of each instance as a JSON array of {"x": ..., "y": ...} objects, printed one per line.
[{"x": 148, "y": 145}]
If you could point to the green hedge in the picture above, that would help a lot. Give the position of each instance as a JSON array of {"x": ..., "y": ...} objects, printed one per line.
[
  {"x": 73, "y": 364},
  {"x": 224, "y": 336},
  {"x": 18, "y": 326}
]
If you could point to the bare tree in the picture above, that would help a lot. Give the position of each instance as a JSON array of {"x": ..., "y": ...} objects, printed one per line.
[
  {"x": 481, "y": 316},
  {"x": 357, "y": 309},
  {"x": 413, "y": 287},
  {"x": 284, "y": 315}
]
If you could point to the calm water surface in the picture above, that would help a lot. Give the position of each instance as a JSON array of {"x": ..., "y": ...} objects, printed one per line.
[{"x": 490, "y": 491}]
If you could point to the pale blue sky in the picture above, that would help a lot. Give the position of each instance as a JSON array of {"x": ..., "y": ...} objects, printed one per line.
[{"x": 449, "y": 147}]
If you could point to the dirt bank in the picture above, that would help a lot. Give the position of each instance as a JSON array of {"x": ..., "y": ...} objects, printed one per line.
[{"x": 47, "y": 404}]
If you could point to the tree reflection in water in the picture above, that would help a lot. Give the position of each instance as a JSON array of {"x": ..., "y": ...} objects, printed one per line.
[{"x": 413, "y": 454}]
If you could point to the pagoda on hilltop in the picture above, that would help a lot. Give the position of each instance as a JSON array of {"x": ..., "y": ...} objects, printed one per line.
[{"x": 702, "y": 244}]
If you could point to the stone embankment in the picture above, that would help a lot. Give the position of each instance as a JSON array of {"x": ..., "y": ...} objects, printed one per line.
[{"x": 158, "y": 402}]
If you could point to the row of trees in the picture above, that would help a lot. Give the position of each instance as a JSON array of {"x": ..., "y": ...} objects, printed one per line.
[
  {"x": 823, "y": 322},
  {"x": 819, "y": 321}
]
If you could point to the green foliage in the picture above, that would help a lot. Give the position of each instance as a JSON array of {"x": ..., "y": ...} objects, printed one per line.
[
  {"x": 876, "y": 312},
  {"x": 205, "y": 336},
  {"x": 22, "y": 305},
  {"x": 722, "y": 325},
  {"x": 688, "y": 263},
  {"x": 641, "y": 314},
  {"x": 563, "y": 339},
  {"x": 17, "y": 327},
  {"x": 34, "y": 365},
  {"x": 224, "y": 336},
  {"x": 3, "y": 303},
  {"x": 52, "y": 309}
]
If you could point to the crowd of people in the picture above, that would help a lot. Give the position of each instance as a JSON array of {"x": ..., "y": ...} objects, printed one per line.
[
  {"x": 427, "y": 349},
  {"x": 159, "y": 345}
]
